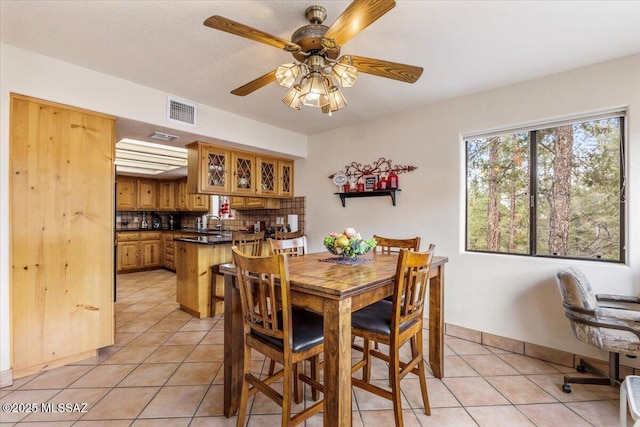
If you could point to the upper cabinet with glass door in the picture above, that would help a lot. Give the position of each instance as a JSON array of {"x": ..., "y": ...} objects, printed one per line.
[
  {"x": 243, "y": 172},
  {"x": 217, "y": 170},
  {"x": 285, "y": 178},
  {"x": 267, "y": 176},
  {"x": 209, "y": 169}
]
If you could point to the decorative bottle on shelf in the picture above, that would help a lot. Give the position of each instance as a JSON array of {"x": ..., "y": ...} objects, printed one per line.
[
  {"x": 143, "y": 224},
  {"x": 382, "y": 184},
  {"x": 392, "y": 180}
]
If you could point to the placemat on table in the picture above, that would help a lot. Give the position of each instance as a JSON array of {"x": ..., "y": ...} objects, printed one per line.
[{"x": 347, "y": 261}]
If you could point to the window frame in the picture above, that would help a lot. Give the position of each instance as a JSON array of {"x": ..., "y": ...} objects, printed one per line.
[{"x": 533, "y": 185}]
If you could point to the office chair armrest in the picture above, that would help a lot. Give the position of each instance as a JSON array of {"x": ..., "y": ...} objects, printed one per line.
[
  {"x": 618, "y": 314},
  {"x": 618, "y": 298}
]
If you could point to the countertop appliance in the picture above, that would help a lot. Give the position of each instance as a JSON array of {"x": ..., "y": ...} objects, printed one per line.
[{"x": 156, "y": 222}]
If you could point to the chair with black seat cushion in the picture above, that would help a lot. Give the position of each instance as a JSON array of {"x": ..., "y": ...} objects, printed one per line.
[
  {"x": 279, "y": 331},
  {"x": 609, "y": 322},
  {"x": 395, "y": 323}
]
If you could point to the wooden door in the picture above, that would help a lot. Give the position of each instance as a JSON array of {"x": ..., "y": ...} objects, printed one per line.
[
  {"x": 147, "y": 194},
  {"x": 182, "y": 201},
  {"x": 243, "y": 173},
  {"x": 127, "y": 193},
  {"x": 62, "y": 228},
  {"x": 150, "y": 253},
  {"x": 267, "y": 175},
  {"x": 199, "y": 202},
  {"x": 166, "y": 196},
  {"x": 285, "y": 178},
  {"x": 128, "y": 256}
]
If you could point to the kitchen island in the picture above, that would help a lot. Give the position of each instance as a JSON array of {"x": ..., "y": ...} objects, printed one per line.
[{"x": 196, "y": 261}]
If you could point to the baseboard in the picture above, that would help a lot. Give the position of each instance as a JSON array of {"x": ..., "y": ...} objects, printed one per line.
[
  {"x": 6, "y": 378},
  {"x": 547, "y": 354}
]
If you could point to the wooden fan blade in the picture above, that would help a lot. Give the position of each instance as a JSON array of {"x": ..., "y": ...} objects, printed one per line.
[
  {"x": 391, "y": 70},
  {"x": 355, "y": 18},
  {"x": 227, "y": 25},
  {"x": 256, "y": 84}
]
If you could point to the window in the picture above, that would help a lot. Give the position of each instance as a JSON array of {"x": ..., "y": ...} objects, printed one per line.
[{"x": 556, "y": 190}]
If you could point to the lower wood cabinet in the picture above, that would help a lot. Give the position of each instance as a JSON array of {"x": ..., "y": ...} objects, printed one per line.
[
  {"x": 139, "y": 250},
  {"x": 150, "y": 249}
]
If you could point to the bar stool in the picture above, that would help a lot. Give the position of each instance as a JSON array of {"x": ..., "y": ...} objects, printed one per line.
[{"x": 630, "y": 394}]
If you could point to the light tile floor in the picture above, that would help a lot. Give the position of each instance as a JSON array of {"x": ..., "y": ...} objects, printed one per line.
[{"x": 165, "y": 369}]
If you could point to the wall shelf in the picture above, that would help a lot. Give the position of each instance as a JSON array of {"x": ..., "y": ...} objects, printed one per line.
[{"x": 375, "y": 193}]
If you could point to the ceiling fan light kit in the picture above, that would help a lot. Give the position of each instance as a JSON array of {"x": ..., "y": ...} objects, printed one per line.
[{"x": 320, "y": 72}]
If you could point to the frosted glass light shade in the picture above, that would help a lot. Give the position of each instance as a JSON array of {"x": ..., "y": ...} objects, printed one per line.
[
  {"x": 345, "y": 74},
  {"x": 336, "y": 99},
  {"x": 292, "y": 98},
  {"x": 286, "y": 74},
  {"x": 314, "y": 91}
]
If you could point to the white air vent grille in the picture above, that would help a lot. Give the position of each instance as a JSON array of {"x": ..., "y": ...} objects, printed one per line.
[{"x": 181, "y": 111}]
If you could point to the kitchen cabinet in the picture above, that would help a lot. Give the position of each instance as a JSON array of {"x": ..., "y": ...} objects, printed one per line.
[
  {"x": 150, "y": 249},
  {"x": 209, "y": 169},
  {"x": 166, "y": 196},
  {"x": 195, "y": 277},
  {"x": 190, "y": 202},
  {"x": 61, "y": 217},
  {"x": 285, "y": 178},
  {"x": 243, "y": 173},
  {"x": 216, "y": 170},
  {"x": 136, "y": 194},
  {"x": 267, "y": 176},
  {"x": 127, "y": 193},
  {"x": 168, "y": 253},
  {"x": 139, "y": 250},
  {"x": 128, "y": 253},
  {"x": 147, "y": 194},
  {"x": 247, "y": 203}
]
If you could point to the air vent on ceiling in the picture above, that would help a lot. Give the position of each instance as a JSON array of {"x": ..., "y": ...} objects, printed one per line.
[{"x": 181, "y": 111}]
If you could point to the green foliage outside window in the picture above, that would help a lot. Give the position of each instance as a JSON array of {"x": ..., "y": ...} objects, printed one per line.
[{"x": 574, "y": 173}]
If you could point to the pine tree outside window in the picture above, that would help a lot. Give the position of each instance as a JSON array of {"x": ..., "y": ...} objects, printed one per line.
[{"x": 556, "y": 191}]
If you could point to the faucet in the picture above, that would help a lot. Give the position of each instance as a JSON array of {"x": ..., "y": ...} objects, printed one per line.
[{"x": 219, "y": 224}]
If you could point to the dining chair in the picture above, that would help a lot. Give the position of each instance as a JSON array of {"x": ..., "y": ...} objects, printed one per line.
[
  {"x": 296, "y": 246},
  {"x": 293, "y": 247},
  {"x": 395, "y": 323},
  {"x": 248, "y": 243},
  {"x": 388, "y": 245},
  {"x": 277, "y": 330},
  {"x": 280, "y": 235}
]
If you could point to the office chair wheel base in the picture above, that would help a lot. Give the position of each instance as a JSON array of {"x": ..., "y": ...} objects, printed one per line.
[
  {"x": 581, "y": 369},
  {"x": 566, "y": 388}
]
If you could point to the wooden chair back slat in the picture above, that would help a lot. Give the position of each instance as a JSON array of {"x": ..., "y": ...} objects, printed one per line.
[
  {"x": 388, "y": 245},
  {"x": 248, "y": 243},
  {"x": 264, "y": 288},
  {"x": 280, "y": 235},
  {"x": 411, "y": 284},
  {"x": 293, "y": 247}
]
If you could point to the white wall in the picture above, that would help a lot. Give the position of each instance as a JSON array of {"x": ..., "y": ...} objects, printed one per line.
[
  {"x": 509, "y": 296},
  {"x": 35, "y": 75}
]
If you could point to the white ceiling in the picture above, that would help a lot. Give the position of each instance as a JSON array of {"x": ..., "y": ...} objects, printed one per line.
[{"x": 464, "y": 47}]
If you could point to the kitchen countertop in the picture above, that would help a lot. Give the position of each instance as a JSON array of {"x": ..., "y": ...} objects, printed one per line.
[
  {"x": 217, "y": 239},
  {"x": 205, "y": 231}
]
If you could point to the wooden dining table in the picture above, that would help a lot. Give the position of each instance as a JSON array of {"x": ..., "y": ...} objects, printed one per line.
[{"x": 335, "y": 290}]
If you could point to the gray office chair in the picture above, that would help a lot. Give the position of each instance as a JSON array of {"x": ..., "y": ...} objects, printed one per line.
[{"x": 609, "y": 322}]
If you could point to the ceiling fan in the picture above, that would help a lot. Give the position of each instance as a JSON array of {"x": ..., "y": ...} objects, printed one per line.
[{"x": 316, "y": 49}]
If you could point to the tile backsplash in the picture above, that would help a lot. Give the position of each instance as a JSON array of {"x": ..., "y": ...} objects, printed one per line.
[{"x": 242, "y": 219}]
